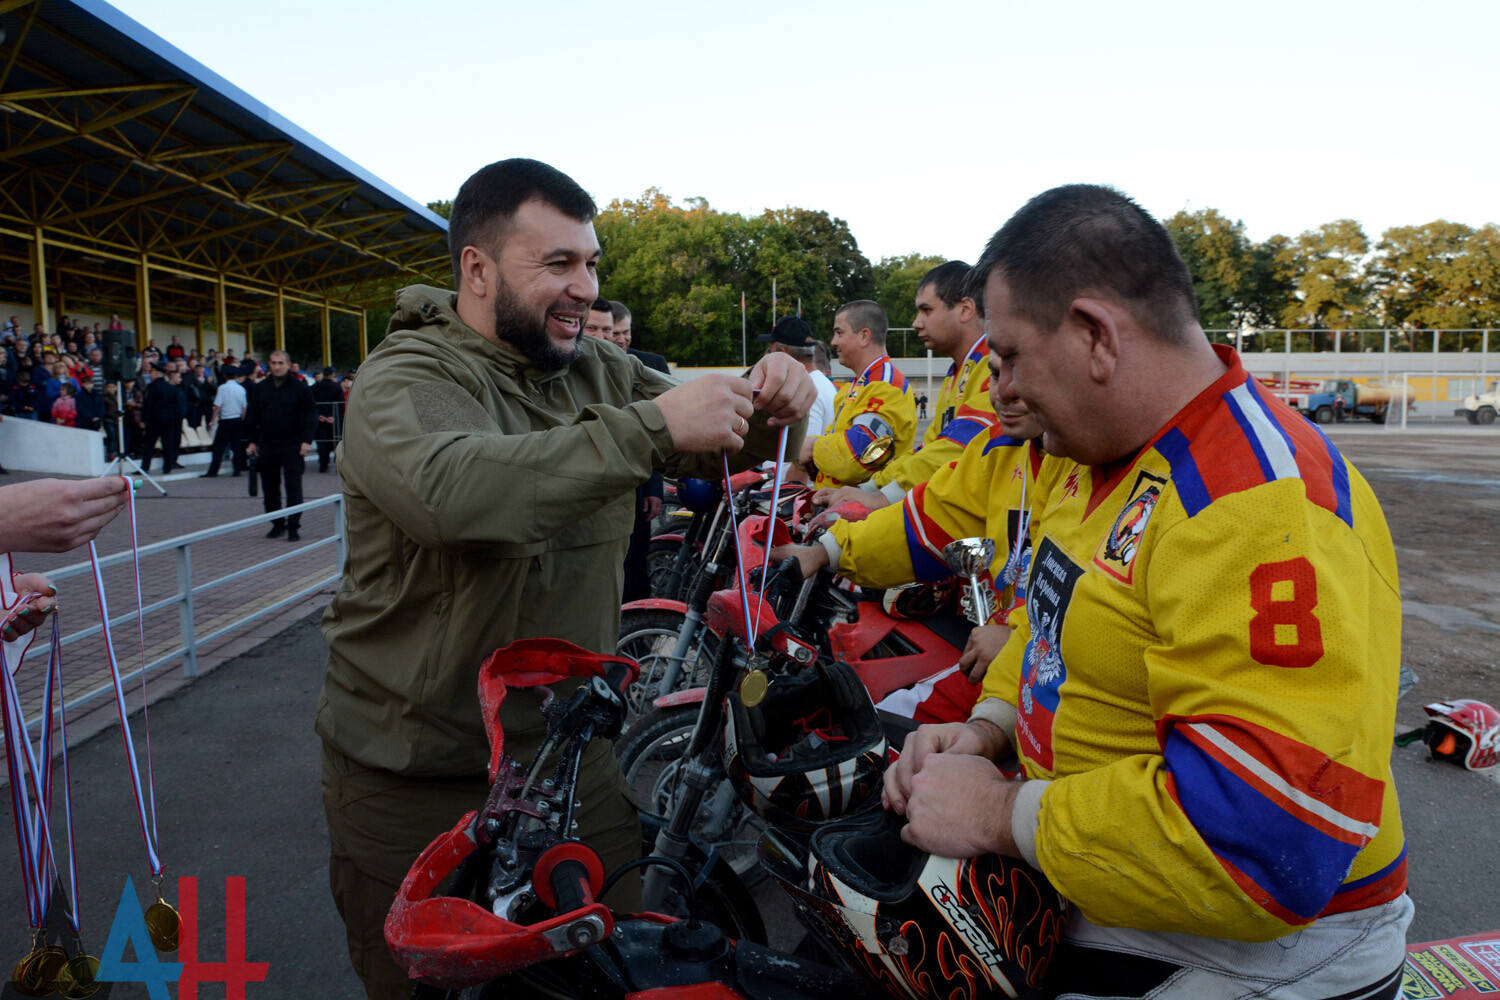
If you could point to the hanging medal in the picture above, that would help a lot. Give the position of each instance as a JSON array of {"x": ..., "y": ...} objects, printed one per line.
[
  {"x": 29, "y": 770},
  {"x": 162, "y": 922}
]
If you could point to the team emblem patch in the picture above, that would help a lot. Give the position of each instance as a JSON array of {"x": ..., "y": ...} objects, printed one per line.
[{"x": 1116, "y": 555}]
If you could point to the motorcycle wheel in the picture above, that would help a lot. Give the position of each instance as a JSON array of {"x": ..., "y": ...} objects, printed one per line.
[
  {"x": 661, "y": 557},
  {"x": 648, "y": 637},
  {"x": 650, "y": 754}
]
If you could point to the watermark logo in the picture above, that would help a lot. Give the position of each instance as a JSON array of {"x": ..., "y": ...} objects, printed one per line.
[{"x": 129, "y": 927}]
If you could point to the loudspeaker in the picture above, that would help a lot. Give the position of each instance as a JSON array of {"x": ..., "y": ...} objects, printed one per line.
[{"x": 119, "y": 353}]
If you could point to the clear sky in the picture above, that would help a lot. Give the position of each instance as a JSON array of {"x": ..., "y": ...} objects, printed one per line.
[{"x": 923, "y": 124}]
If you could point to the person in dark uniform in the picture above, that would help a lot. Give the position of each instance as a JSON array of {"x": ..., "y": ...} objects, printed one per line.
[
  {"x": 330, "y": 399},
  {"x": 648, "y": 496},
  {"x": 279, "y": 427},
  {"x": 164, "y": 410}
]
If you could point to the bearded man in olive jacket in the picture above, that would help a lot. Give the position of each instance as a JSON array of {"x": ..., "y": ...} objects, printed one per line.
[{"x": 489, "y": 466}]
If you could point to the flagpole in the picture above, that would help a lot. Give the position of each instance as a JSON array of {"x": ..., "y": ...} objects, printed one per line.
[{"x": 743, "y": 353}]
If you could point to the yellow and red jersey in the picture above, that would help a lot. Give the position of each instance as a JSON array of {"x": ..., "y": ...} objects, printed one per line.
[
  {"x": 963, "y": 411},
  {"x": 875, "y": 405},
  {"x": 986, "y": 492},
  {"x": 1205, "y": 676}
]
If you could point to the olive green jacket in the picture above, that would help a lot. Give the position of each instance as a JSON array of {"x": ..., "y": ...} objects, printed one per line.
[{"x": 485, "y": 501}]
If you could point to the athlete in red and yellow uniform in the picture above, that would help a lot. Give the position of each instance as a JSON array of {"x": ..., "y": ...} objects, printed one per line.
[
  {"x": 1203, "y": 681},
  {"x": 964, "y": 411}
]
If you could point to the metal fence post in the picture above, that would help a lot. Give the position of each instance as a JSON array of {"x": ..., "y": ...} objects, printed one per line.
[
  {"x": 340, "y": 542},
  {"x": 185, "y": 610}
]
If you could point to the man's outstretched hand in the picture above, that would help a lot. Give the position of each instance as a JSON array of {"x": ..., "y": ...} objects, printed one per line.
[{"x": 786, "y": 390}]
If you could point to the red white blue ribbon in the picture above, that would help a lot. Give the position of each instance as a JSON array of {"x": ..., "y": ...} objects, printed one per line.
[
  {"x": 739, "y": 556},
  {"x": 148, "y": 822}
]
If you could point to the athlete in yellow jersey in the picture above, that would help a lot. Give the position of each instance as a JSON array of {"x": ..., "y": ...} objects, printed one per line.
[
  {"x": 987, "y": 492},
  {"x": 874, "y": 419},
  {"x": 1202, "y": 686},
  {"x": 949, "y": 324}
]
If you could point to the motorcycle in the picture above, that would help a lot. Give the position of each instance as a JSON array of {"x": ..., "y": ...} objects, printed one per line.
[
  {"x": 525, "y": 909},
  {"x": 829, "y": 625}
]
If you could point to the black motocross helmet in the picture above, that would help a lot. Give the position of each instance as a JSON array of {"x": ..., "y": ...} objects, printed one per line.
[{"x": 811, "y": 751}]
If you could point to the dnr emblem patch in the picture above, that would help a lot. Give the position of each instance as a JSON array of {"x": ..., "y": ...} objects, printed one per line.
[{"x": 1116, "y": 555}]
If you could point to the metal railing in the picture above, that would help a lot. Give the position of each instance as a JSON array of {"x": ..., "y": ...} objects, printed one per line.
[{"x": 188, "y": 638}]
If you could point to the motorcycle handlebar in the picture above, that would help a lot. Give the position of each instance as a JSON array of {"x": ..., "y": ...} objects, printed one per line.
[{"x": 570, "y": 886}]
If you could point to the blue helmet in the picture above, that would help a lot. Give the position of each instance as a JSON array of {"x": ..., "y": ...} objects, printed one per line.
[{"x": 700, "y": 496}]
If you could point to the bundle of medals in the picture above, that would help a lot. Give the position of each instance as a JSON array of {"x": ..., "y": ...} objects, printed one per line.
[
  {"x": 755, "y": 684},
  {"x": 48, "y": 967}
]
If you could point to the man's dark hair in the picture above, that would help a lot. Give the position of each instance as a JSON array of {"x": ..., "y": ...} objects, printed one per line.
[
  {"x": 949, "y": 281},
  {"x": 619, "y": 310},
  {"x": 601, "y": 306},
  {"x": 864, "y": 313},
  {"x": 491, "y": 197},
  {"x": 1083, "y": 239}
]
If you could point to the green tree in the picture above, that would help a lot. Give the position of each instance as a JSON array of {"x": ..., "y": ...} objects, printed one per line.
[
  {"x": 896, "y": 290},
  {"x": 1325, "y": 268},
  {"x": 1218, "y": 256},
  {"x": 443, "y": 208},
  {"x": 1439, "y": 275}
]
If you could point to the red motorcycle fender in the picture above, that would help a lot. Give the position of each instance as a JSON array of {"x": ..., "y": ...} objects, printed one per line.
[
  {"x": 655, "y": 604},
  {"x": 678, "y": 537},
  {"x": 691, "y": 696},
  {"x": 454, "y": 943}
]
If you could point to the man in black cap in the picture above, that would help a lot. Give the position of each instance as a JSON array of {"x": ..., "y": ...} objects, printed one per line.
[
  {"x": 330, "y": 399},
  {"x": 791, "y": 335}
]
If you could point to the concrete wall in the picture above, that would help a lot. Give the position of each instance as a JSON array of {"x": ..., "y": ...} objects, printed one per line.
[{"x": 32, "y": 446}]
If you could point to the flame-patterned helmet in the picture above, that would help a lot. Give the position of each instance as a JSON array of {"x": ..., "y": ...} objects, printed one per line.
[
  {"x": 1464, "y": 731},
  {"x": 919, "y": 925},
  {"x": 810, "y": 752}
]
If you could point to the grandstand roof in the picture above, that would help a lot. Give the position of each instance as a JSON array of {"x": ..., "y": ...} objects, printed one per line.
[{"x": 117, "y": 145}]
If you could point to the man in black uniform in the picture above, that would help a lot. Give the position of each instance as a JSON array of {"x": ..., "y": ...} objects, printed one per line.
[
  {"x": 330, "y": 399},
  {"x": 164, "y": 410},
  {"x": 279, "y": 426}
]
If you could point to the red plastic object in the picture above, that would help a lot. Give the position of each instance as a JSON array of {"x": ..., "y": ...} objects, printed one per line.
[
  {"x": 746, "y": 479},
  {"x": 656, "y": 604},
  {"x": 529, "y": 663},
  {"x": 689, "y": 696},
  {"x": 726, "y": 615},
  {"x": 697, "y": 991},
  {"x": 454, "y": 943},
  {"x": 568, "y": 850}
]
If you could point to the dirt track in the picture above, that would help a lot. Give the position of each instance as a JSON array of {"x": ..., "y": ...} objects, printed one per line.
[{"x": 1441, "y": 496}]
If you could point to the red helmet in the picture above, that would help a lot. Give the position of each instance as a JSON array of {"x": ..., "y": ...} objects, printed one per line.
[
  {"x": 1464, "y": 731},
  {"x": 921, "y": 926}
]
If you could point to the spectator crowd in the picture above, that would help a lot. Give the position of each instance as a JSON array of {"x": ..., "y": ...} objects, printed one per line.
[{"x": 59, "y": 378}]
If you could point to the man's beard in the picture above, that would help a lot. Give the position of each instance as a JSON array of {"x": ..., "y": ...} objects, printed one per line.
[{"x": 527, "y": 333}]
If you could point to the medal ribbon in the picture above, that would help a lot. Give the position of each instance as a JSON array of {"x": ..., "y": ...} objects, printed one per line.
[
  {"x": 74, "y": 918},
  {"x": 148, "y": 824},
  {"x": 1023, "y": 525},
  {"x": 33, "y": 829},
  {"x": 739, "y": 556}
]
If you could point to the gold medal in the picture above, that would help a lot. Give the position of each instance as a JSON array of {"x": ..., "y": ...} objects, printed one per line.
[
  {"x": 163, "y": 924},
  {"x": 753, "y": 688},
  {"x": 21, "y": 974},
  {"x": 77, "y": 978},
  {"x": 42, "y": 975}
]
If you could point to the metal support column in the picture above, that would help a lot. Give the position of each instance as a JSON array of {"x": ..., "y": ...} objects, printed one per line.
[
  {"x": 221, "y": 314},
  {"x": 364, "y": 335},
  {"x": 198, "y": 333},
  {"x": 142, "y": 304},
  {"x": 280, "y": 319},
  {"x": 39, "y": 281},
  {"x": 327, "y": 335}
]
